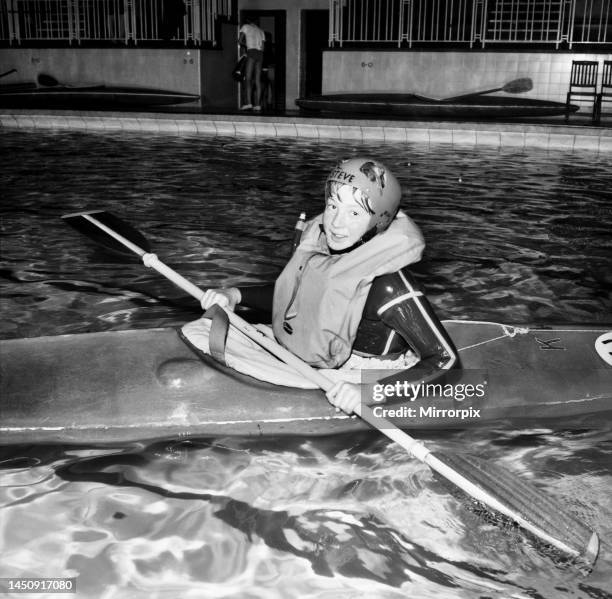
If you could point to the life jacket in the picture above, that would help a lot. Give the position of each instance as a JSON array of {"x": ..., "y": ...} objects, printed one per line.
[{"x": 319, "y": 297}]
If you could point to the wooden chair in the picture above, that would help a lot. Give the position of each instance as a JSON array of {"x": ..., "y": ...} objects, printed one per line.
[
  {"x": 605, "y": 94},
  {"x": 583, "y": 84}
]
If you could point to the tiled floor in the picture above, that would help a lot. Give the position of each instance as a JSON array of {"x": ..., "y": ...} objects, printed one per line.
[{"x": 578, "y": 135}]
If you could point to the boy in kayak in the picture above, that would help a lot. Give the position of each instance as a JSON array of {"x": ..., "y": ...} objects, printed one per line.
[{"x": 345, "y": 298}]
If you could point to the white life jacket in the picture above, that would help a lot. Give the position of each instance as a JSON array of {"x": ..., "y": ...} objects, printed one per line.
[{"x": 319, "y": 297}]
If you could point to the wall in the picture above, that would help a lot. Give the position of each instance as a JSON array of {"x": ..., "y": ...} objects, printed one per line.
[
  {"x": 176, "y": 70},
  {"x": 443, "y": 74}
]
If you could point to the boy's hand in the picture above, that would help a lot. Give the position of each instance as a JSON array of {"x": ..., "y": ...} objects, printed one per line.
[
  {"x": 345, "y": 396},
  {"x": 226, "y": 298}
]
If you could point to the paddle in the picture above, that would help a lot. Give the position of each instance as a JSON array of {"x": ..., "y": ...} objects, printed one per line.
[
  {"x": 492, "y": 486},
  {"x": 47, "y": 80},
  {"x": 50, "y": 81},
  {"x": 517, "y": 86}
]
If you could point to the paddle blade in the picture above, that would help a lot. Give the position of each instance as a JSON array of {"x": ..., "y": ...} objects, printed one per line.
[
  {"x": 47, "y": 80},
  {"x": 529, "y": 507},
  {"x": 83, "y": 225},
  {"x": 518, "y": 86}
]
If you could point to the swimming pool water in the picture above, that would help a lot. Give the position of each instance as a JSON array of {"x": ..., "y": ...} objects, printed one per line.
[{"x": 511, "y": 236}]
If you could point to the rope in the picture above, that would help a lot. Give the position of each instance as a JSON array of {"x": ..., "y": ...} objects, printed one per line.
[{"x": 508, "y": 330}]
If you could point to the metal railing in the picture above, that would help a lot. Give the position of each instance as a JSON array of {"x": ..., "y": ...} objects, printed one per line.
[
  {"x": 470, "y": 21},
  {"x": 532, "y": 21},
  {"x": 125, "y": 21},
  {"x": 439, "y": 21},
  {"x": 592, "y": 21}
]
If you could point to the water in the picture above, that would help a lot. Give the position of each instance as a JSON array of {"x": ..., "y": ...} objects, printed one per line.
[{"x": 511, "y": 236}]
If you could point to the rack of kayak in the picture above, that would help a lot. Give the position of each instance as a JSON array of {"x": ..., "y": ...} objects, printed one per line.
[
  {"x": 48, "y": 92},
  {"x": 469, "y": 105}
]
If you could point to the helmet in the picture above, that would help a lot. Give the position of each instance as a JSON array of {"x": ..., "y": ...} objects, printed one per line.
[{"x": 380, "y": 189}]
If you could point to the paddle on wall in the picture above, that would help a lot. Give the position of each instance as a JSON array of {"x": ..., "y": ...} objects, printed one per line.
[{"x": 516, "y": 86}]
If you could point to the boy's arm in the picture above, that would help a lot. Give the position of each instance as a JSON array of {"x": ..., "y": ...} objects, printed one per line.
[
  {"x": 258, "y": 297},
  {"x": 414, "y": 319}
]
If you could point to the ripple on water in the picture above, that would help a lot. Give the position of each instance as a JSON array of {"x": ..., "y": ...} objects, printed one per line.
[{"x": 293, "y": 518}]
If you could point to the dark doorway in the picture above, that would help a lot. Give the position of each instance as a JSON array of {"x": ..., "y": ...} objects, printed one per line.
[
  {"x": 274, "y": 24},
  {"x": 218, "y": 88},
  {"x": 315, "y": 39}
]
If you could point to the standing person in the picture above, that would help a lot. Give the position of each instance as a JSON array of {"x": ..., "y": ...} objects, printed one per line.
[
  {"x": 252, "y": 38},
  {"x": 346, "y": 298},
  {"x": 268, "y": 74}
]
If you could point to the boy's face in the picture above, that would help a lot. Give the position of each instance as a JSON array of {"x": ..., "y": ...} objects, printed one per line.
[{"x": 345, "y": 220}]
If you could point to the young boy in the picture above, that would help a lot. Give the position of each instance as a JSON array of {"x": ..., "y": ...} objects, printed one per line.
[{"x": 345, "y": 298}]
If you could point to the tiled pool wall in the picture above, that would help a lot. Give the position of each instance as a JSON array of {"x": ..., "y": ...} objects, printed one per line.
[{"x": 497, "y": 135}]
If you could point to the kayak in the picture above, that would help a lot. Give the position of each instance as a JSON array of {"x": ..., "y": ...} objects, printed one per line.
[
  {"x": 25, "y": 95},
  {"x": 413, "y": 105},
  {"x": 136, "y": 385}
]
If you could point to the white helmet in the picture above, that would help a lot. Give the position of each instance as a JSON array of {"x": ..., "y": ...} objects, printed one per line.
[{"x": 377, "y": 184}]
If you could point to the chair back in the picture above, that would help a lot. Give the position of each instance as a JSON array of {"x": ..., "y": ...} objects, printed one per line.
[
  {"x": 606, "y": 81},
  {"x": 584, "y": 74}
]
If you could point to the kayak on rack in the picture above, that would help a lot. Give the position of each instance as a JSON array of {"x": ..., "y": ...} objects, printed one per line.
[
  {"x": 413, "y": 105},
  {"x": 28, "y": 95},
  {"x": 134, "y": 385}
]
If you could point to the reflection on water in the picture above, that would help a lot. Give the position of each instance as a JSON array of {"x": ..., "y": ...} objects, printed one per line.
[
  {"x": 292, "y": 518},
  {"x": 511, "y": 236}
]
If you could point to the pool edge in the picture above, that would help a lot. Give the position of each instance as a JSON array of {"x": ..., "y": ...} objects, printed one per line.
[{"x": 572, "y": 137}]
